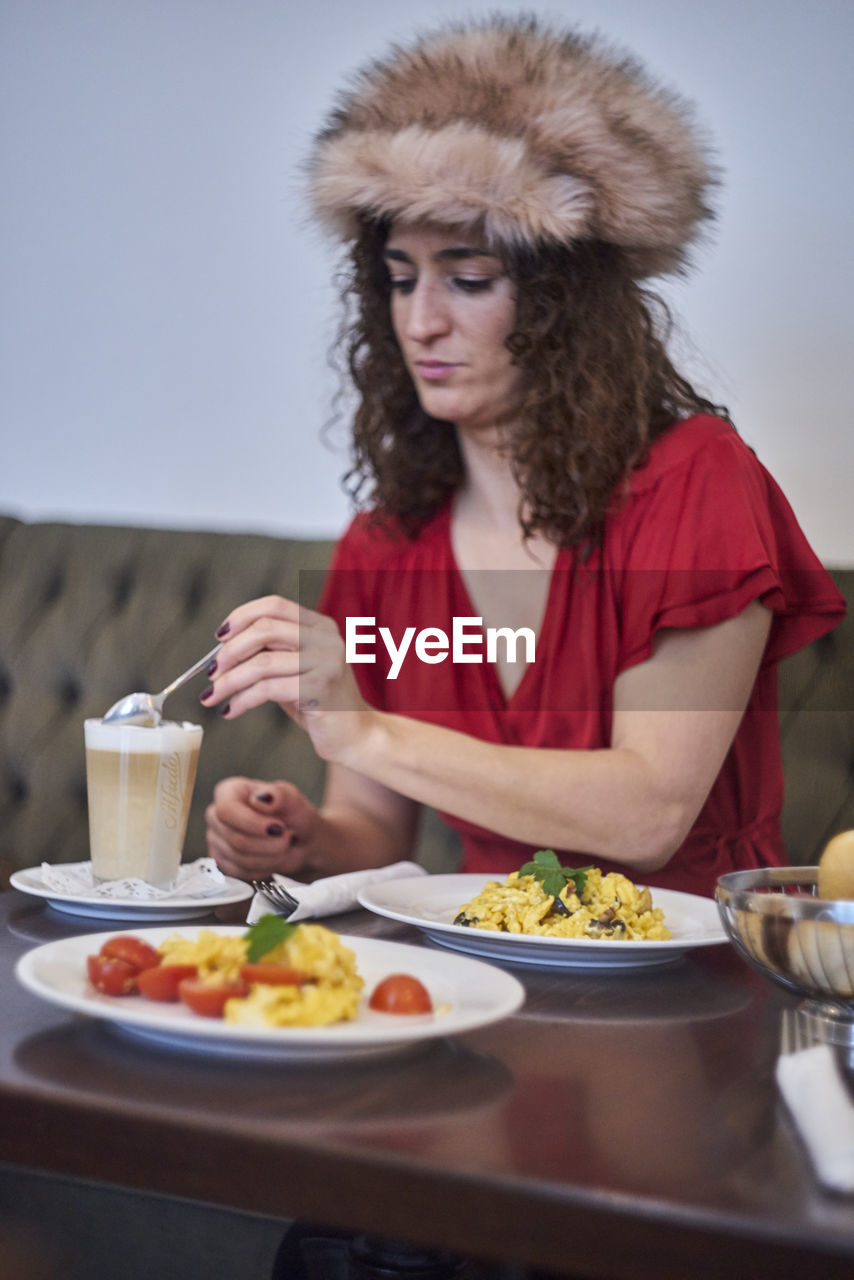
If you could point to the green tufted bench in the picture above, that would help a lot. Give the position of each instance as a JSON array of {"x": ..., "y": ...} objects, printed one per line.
[{"x": 88, "y": 613}]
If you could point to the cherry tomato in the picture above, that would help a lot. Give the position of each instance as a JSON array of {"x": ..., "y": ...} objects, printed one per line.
[
  {"x": 162, "y": 982},
  {"x": 401, "y": 993},
  {"x": 208, "y": 999},
  {"x": 132, "y": 950},
  {"x": 112, "y": 977},
  {"x": 273, "y": 975}
]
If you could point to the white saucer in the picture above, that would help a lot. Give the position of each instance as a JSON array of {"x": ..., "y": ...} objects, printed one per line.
[{"x": 150, "y": 911}]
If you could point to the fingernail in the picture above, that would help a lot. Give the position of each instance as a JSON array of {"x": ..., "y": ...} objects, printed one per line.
[
  {"x": 223, "y": 630},
  {"x": 275, "y": 829},
  {"x": 264, "y": 797},
  {"x": 225, "y": 710},
  {"x": 212, "y": 668},
  {"x": 206, "y": 693}
]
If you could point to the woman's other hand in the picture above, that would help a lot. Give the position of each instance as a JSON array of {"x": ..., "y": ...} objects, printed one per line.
[{"x": 255, "y": 828}]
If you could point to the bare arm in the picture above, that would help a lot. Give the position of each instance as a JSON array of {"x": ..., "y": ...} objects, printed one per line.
[
  {"x": 675, "y": 716},
  {"x": 366, "y": 824}
]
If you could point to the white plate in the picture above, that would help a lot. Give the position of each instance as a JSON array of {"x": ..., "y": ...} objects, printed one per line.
[
  {"x": 432, "y": 903},
  {"x": 475, "y": 993},
  {"x": 145, "y": 909}
]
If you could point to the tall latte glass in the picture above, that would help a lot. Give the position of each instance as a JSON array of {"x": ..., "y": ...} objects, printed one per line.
[{"x": 139, "y": 783}]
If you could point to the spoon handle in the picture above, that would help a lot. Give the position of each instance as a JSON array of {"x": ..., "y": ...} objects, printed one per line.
[{"x": 188, "y": 674}]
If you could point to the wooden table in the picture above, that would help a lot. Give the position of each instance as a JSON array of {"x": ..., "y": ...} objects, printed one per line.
[{"x": 622, "y": 1126}]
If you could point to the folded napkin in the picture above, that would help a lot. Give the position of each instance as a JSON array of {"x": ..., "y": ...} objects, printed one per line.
[
  {"x": 199, "y": 879},
  {"x": 821, "y": 1106},
  {"x": 330, "y": 895}
]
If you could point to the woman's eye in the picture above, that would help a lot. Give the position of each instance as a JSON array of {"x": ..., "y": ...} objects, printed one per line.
[
  {"x": 474, "y": 284},
  {"x": 402, "y": 284}
]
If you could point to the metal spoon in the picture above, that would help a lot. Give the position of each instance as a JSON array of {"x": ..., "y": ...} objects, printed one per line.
[{"x": 146, "y": 709}]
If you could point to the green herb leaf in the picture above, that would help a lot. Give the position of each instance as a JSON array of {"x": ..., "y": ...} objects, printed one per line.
[
  {"x": 579, "y": 875},
  {"x": 544, "y": 860},
  {"x": 552, "y": 882},
  {"x": 265, "y": 935},
  {"x": 552, "y": 876}
]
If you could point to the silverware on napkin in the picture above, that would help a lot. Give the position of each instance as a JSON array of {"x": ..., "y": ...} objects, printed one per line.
[
  {"x": 818, "y": 1099},
  {"x": 324, "y": 897}
]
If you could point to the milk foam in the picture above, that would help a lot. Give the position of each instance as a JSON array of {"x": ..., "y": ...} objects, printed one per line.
[{"x": 168, "y": 736}]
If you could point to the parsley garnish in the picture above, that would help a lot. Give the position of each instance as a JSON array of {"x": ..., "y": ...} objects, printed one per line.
[
  {"x": 552, "y": 876},
  {"x": 265, "y": 935}
]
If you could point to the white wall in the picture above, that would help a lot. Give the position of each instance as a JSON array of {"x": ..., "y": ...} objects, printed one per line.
[{"x": 166, "y": 307}]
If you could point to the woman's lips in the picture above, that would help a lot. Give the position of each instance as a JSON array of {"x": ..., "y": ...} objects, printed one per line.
[{"x": 434, "y": 370}]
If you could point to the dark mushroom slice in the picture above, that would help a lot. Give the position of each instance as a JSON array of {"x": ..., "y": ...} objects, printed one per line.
[{"x": 605, "y": 926}]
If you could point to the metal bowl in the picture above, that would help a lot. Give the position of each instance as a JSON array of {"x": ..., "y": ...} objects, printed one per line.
[{"x": 799, "y": 941}]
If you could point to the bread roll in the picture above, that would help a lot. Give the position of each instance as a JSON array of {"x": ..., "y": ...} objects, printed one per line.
[
  {"x": 836, "y": 867},
  {"x": 821, "y": 955}
]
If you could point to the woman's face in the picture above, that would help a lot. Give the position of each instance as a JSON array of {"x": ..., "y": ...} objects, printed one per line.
[{"x": 452, "y": 308}]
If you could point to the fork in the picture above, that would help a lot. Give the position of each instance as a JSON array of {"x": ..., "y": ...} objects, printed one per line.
[
  {"x": 277, "y": 895},
  {"x": 793, "y": 1034},
  {"x": 804, "y": 1028},
  {"x": 810, "y": 1079}
]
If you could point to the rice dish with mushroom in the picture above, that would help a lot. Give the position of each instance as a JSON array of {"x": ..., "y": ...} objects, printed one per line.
[{"x": 609, "y": 906}]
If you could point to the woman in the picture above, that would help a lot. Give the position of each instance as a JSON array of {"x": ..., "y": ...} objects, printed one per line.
[{"x": 533, "y": 461}]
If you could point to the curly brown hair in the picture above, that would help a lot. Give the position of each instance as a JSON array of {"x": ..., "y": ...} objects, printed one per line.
[{"x": 596, "y": 389}]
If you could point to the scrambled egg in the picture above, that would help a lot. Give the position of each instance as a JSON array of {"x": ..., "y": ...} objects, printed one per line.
[
  {"x": 311, "y": 1005},
  {"x": 217, "y": 957},
  {"x": 331, "y": 993},
  {"x": 610, "y": 907}
]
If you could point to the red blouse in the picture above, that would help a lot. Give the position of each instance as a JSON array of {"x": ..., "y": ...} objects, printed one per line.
[{"x": 703, "y": 531}]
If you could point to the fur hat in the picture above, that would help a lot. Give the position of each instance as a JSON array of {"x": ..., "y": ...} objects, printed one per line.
[{"x": 520, "y": 131}]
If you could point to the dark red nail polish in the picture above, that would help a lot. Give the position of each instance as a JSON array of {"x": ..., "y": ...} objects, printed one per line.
[
  {"x": 225, "y": 710},
  {"x": 264, "y": 797},
  {"x": 212, "y": 668},
  {"x": 223, "y": 630},
  {"x": 206, "y": 693},
  {"x": 275, "y": 829}
]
